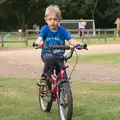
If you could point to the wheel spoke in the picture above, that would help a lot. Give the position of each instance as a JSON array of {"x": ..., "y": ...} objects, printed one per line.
[
  {"x": 65, "y": 105},
  {"x": 45, "y": 98}
]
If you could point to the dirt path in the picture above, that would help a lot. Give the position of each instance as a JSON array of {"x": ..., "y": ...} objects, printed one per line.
[
  {"x": 101, "y": 49},
  {"x": 27, "y": 63}
]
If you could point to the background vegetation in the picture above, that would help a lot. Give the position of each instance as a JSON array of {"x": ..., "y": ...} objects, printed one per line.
[{"x": 23, "y": 13}]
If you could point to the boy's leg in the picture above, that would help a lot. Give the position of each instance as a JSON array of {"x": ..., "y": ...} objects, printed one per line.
[
  {"x": 61, "y": 65},
  {"x": 42, "y": 81},
  {"x": 49, "y": 62}
]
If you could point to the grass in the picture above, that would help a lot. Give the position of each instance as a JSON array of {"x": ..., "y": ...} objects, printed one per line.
[
  {"x": 92, "y": 101},
  {"x": 102, "y": 41},
  {"x": 111, "y": 58},
  {"x": 33, "y": 38}
]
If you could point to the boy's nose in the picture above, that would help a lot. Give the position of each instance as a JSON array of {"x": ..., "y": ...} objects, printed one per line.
[{"x": 52, "y": 21}]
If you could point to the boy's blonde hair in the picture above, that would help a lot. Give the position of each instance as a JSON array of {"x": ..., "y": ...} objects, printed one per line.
[{"x": 53, "y": 9}]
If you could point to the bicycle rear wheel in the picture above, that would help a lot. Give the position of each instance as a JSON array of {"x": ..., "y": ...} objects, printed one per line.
[
  {"x": 45, "y": 98},
  {"x": 66, "y": 102}
]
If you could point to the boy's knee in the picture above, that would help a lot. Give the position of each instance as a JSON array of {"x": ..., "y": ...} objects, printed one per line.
[{"x": 50, "y": 58}]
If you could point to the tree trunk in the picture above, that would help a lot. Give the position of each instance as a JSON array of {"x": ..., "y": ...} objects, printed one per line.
[
  {"x": 21, "y": 19},
  {"x": 92, "y": 15},
  {"x": 92, "y": 8}
]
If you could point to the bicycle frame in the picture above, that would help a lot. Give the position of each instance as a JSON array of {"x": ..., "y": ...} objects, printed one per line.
[
  {"x": 57, "y": 88},
  {"x": 55, "y": 80}
]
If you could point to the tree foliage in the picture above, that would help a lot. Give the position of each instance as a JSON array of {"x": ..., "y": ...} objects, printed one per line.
[{"x": 16, "y": 14}]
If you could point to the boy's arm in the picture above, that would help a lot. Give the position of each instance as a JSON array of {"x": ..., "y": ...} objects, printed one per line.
[
  {"x": 68, "y": 37},
  {"x": 40, "y": 40},
  {"x": 73, "y": 42}
]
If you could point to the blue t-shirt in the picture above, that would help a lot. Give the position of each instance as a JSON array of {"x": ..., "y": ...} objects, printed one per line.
[{"x": 54, "y": 38}]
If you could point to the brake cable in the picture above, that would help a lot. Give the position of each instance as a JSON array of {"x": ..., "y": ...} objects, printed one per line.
[{"x": 73, "y": 66}]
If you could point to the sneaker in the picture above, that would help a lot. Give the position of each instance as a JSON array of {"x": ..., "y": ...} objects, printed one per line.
[{"x": 42, "y": 81}]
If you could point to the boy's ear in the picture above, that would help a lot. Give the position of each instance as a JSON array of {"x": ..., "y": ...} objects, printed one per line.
[{"x": 45, "y": 19}]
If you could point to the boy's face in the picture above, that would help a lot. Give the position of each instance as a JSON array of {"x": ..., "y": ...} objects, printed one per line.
[{"x": 52, "y": 20}]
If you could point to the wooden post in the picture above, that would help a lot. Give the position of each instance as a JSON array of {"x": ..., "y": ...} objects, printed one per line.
[
  {"x": 2, "y": 39},
  {"x": 69, "y": 31},
  {"x": 114, "y": 34},
  {"x": 26, "y": 37},
  {"x": 87, "y": 35},
  {"x": 105, "y": 33},
  {"x": 99, "y": 34}
]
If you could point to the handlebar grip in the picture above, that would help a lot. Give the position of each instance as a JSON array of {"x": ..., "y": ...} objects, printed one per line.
[
  {"x": 84, "y": 46},
  {"x": 79, "y": 47}
]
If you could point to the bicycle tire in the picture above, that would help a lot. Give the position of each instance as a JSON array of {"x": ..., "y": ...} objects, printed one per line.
[
  {"x": 67, "y": 88},
  {"x": 48, "y": 106}
]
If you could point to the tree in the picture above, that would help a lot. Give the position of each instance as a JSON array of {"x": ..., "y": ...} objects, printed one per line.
[
  {"x": 15, "y": 13},
  {"x": 92, "y": 5}
]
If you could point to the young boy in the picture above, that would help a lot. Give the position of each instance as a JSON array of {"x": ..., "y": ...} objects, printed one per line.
[{"x": 52, "y": 34}]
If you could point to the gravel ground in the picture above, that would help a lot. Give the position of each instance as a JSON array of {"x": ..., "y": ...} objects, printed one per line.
[{"x": 26, "y": 63}]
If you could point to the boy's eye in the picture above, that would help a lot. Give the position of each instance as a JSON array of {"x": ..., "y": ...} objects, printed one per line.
[
  {"x": 49, "y": 18},
  {"x": 55, "y": 19}
]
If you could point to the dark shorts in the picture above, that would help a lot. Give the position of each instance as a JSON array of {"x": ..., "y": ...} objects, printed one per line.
[{"x": 50, "y": 62}]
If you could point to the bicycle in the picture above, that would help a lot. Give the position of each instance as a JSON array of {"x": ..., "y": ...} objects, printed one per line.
[{"x": 58, "y": 88}]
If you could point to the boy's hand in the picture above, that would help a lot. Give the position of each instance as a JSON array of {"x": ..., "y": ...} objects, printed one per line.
[
  {"x": 33, "y": 44},
  {"x": 38, "y": 43}
]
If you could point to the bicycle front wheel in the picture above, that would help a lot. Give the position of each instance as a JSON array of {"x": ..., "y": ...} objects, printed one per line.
[
  {"x": 65, "y": 102},
  {"x": 45, "y": 98}
]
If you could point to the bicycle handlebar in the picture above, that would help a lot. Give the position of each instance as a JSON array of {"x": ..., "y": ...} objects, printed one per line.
[{"x": 62, "y": 47}]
